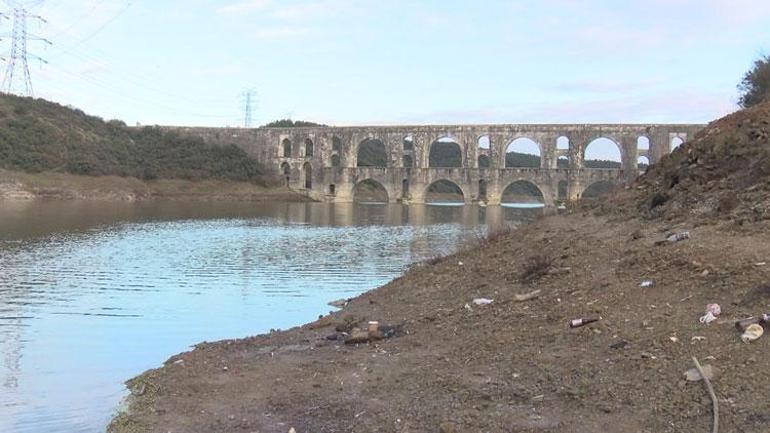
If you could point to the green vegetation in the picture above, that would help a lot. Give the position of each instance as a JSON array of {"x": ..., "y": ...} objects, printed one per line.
[
  {"x": 38, "y": 136},
  {"x": 445, "y": 154},
  {"x": 288, "y": 123},
  {"x": 600, "y": 163},
  {"x": 372, "y": 153},
  {"x": 523, "y": 160},
  {"x": 755, "y": 86}
]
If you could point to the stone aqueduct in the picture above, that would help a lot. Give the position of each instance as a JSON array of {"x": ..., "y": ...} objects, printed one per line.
[{"x": 322, "y": 161}]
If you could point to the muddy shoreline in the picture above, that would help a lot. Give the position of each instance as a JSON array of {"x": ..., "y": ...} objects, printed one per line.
[
  {"x": 508, "y": 366},
  {"x": 62, "y": 186}
]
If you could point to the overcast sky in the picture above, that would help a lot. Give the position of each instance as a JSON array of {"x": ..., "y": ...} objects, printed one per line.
[{"x": 348, "y": 62}]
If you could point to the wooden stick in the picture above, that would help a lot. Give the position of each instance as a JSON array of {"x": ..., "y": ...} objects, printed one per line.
[{"x": 711, "y": 394}]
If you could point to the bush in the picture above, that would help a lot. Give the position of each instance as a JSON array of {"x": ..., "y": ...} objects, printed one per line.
[{"x": 755, "y": 86}]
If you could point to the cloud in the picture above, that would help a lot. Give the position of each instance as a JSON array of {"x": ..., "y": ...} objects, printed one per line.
[{"x": 244, "y": 7}]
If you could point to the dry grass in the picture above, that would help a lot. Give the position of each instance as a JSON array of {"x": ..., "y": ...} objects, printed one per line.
[{"x": 535, "y": 267}]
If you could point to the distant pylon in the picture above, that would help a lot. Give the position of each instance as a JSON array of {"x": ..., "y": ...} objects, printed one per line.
[
  {"x": 16, "y": 58},
  {"x": 249, "y": 99}
]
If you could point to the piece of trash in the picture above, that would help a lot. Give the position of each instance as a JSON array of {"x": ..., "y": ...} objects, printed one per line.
[
  {"x": 677, "y": 237},
  {"x": 674, "y": 339},
  {"x": 459, "y": 263},
  {"x": 742, "y": 324},
  {"x": 468, "y": 307},
  {"x": 526, "y": 296},
  {"x": 697, "y": 338},
  {"x": 646, "y": 284},
  {"x": 291, "y": 430},
  {"x": 693, "y": 375},
  {"x": 358, "y": 337},
  {"x": 753, "y": 332},
  {"x": 619, "y": 345},
  {"x": 374, "y": 332},
  {"x": 712, "y": 312},
  {"x": 577, "y": 323},
  {"x": 482, "y": 301},
  {"x": 760, "y": 264},
  {"x": 373, "y": 327}
]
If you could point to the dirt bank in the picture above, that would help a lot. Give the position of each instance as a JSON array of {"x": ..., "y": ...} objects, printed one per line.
[
  {"x": 505, "y": 367},
  {"x": 514, "y": 366},
  {"x": 62, "y": 186}
]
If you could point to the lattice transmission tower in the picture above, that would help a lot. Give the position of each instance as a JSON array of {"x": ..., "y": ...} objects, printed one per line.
[
  {"x": 17, "y": 57},
  {"x": 249, "y": 99}
]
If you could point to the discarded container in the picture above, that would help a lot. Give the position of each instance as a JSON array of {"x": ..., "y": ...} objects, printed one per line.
[
  {"x": 577, "y": 323},
  {"x": 753, "y": 332},
  {"x": 762, "y": 320},
  {"x": 712, "y": 312},
  {"x": 647, "y": 284},
  {"x": 676, "y": 237},
  {"x": 373, "y": 327},
  {"x": 482, "y": 301}
]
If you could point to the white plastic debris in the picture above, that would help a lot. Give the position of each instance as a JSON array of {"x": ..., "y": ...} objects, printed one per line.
[
  {"x": 712, "y": 312},
  {"x": 753, "y": 332},
  {"x": 647, "y": 284},
  {"x": 676, "y": 237},
  {"x": 482, "y": 301}
]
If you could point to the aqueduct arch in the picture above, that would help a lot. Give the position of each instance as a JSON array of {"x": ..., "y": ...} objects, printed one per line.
[{"x": 401, "y": 160}]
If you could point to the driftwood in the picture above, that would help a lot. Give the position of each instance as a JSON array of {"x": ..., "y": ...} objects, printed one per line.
[
  {"x": 713, "y": 396},
  {"x": 526, "y": 296}
]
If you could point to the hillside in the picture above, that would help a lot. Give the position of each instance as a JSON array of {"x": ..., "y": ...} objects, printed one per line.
[
  {"x": 40, "y": 136},
  {"x": 724, "y": 174}
]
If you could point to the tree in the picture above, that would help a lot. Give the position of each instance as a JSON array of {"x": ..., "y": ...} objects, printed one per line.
[{"x": 755, "y": 86}]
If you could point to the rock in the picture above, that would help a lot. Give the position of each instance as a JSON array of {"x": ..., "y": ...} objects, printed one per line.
[
  {"x": 339, "y": 303},
  {"x": 693, "y": 375},
  {"x": 447, "y": 427},
  {"x": 622, "y": 344}
]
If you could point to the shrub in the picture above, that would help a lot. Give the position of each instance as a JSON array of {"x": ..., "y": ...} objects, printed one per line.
[{"x": 755, "y": 86}]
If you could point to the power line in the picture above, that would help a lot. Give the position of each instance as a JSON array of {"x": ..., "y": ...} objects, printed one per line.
[
  {"x": 249, "y": 98},
  {"x": 18, "y": 56}
]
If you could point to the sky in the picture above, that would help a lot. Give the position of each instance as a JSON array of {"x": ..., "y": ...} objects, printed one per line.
[{"x": 374, "y": 62}]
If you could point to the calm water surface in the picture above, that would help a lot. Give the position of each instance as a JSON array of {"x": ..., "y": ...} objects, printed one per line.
[{"x": 92, "y": 294}]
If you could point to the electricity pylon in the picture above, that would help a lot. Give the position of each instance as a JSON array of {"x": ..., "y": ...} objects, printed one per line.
[
  {"x": 249, "y": 99},
  {"x": 17, "y": 58}
]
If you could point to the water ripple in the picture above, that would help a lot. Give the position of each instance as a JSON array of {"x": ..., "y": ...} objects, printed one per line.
[{"x": 85, "y": 306}]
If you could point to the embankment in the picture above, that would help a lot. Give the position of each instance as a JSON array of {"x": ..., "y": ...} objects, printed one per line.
[{"x": 62, "y": 186}]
